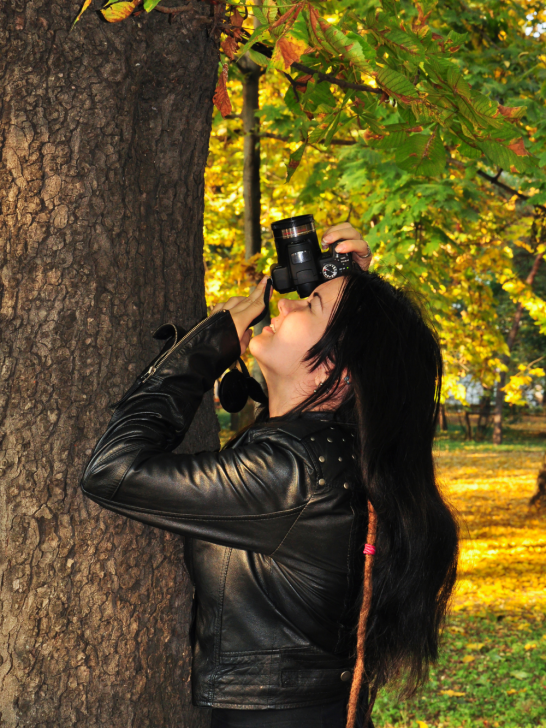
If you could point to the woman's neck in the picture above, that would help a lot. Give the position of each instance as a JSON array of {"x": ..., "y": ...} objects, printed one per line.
[{"x": 286, "y": 393}]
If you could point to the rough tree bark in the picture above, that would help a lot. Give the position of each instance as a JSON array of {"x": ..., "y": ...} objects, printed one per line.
[{"x": 104, "y": 136}]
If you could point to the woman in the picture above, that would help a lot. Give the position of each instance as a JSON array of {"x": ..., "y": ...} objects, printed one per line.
[{"x": 278, "y": 521}]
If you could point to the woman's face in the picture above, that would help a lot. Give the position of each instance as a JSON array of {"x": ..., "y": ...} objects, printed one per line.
[{"x": 281, "y": 348}]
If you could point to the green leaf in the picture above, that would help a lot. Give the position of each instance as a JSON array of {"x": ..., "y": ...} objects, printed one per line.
[
  {"x": 401, "y": 41},
  {"x": 318, "y": 97},
  {"x": 256, "y": 35},
  {"x": 149, "y": 5},
  {"x": 422, "y": 154},
  {"x": 389, "y": 141},
  {"x": 258, "y": 57},
  {"x": 333, "y": 128},
  {"x": 466, "y": 150},
  {"x": 498, "y": 153},
  {"x": 259, "y": 13},
  {"x": 294, "y": 161},
  {"x": 397, "y": 85},
  {"x": 458, "y": 84}
]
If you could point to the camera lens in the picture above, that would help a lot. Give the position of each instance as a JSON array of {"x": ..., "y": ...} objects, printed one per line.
[
  {"x": 298, "y": 250},
  {"x": 292, "y": 228}
]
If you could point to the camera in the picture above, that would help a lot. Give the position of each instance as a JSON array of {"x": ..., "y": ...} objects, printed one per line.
[{"x": 301, "y": 265}]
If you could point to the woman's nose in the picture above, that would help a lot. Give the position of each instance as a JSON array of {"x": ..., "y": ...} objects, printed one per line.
[{"x": 286, "y": 305}]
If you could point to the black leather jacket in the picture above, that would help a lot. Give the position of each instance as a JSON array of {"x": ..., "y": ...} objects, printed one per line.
[{"x": 273, "y": 538}]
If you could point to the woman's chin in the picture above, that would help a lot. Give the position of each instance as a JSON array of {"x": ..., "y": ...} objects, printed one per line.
[{"x": 258, "y": 347}]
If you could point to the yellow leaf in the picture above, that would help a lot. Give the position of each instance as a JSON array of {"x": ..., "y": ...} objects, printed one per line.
[
  {"x": 511, "y": 692},
  {"x": 469, "y": 658},
  {"x": 113, "y": 12},
  {"x": 474, "y": 645},
  {"x": 452, "y": 693},
  {"x": 421, "y": 724},
  {"x": 530, "y": 645},
  {"x": 86, "y": 4}
]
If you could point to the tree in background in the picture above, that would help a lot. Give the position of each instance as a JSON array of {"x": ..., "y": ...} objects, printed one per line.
[
  {"x": 450, "y": 214},
  {"x": 104, "y": 139}
]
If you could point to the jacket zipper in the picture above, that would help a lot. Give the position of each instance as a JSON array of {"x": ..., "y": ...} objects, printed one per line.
[{"x": 153, "y": 369}]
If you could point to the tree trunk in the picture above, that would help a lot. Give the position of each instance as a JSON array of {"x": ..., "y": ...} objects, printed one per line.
[
  {"x": 484, "y": 415},
  {"x": 251, "y": 170},
  {"x": 443, "y": 419},
  {"x": 466, "y": 425},
  {"x": 539, "y": 498},
  {"x": 252, "y": 198},
  {"x": 104, "y": 137},
  {"x": 510, "y": 341}
]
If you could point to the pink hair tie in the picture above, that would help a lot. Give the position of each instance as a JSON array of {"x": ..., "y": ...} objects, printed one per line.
[{"x": 369, "y": 549}]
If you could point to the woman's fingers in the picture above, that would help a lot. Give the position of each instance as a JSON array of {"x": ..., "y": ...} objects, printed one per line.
[
  {"x": 244, "y": 310},
  {"x": 245, "y": 340},
  {"x": 343, "y": 231},
  {"x": 352, "y": 242}
]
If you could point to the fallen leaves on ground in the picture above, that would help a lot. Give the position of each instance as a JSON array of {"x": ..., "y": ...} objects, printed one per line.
[{"x": 503, "y": 542}]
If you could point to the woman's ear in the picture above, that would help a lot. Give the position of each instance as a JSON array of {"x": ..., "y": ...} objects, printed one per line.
[{"x": 321, "y": 375}]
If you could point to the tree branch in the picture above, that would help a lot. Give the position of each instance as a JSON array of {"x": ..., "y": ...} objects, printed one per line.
[
  {"x": 173, "y": 11},
  {"x": 267, "y": 52},
  {"x": 496, "y": 181},
  {"x": 339, "y": 142},
  {"x": 334, "y": 80}
]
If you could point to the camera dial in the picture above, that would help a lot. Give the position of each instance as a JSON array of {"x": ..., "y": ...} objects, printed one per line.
[{"x": 329, "y": 271}]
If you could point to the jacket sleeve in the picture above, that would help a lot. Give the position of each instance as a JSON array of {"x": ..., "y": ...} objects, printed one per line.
[{"x": 246, "y": 497}]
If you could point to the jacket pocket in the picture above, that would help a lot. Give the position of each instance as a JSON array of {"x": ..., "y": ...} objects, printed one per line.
[{"x": 326, "y": 678}]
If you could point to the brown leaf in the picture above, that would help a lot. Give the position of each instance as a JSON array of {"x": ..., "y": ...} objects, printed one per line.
[
  {"x": 518, "y": 147},
  {"x": 302, "y": 82},
  {"x": 19, "y": 22},
  {"x": 510, "y": 112},
  {"x": 370, "y": 135},
  {"x": 221, "y": 98},
  {"x": 229, "y": 46},
  {"x": 295, "y": 11},
  {"x": 421, "y": 19},
  {"x": 291, "y": 50},
  {"x": 236, "y": 19}
]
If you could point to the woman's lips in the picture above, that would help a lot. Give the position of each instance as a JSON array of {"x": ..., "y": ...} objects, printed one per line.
[{"x": 268, "y": 329}]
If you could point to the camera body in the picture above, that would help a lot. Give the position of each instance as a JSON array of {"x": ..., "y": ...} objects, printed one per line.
[{"x": 302, "y": 266}]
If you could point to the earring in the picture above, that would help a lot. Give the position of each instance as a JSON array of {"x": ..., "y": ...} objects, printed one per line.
[
  {"x": 318, "y": 387},
  {"x": 347, "y": 380}
]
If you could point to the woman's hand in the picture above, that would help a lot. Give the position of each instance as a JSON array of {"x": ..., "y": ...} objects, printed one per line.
[
  {"x": 243, "y": 310},
  {"x": 352, "y": 243}
]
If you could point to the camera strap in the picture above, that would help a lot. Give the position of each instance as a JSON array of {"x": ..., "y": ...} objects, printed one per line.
[
  {"x": 267, "y": 296},
  {"x": 237, "y": 385}
]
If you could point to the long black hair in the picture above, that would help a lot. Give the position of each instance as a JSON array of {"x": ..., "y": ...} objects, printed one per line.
[{"x": 379, "y": 336}]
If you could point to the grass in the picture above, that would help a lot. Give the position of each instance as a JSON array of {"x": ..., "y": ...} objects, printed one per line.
[{"x": 492, "y": 672}]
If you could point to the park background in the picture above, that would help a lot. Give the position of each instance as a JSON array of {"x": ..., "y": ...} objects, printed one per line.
[{"x": 422, "y": 125}]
